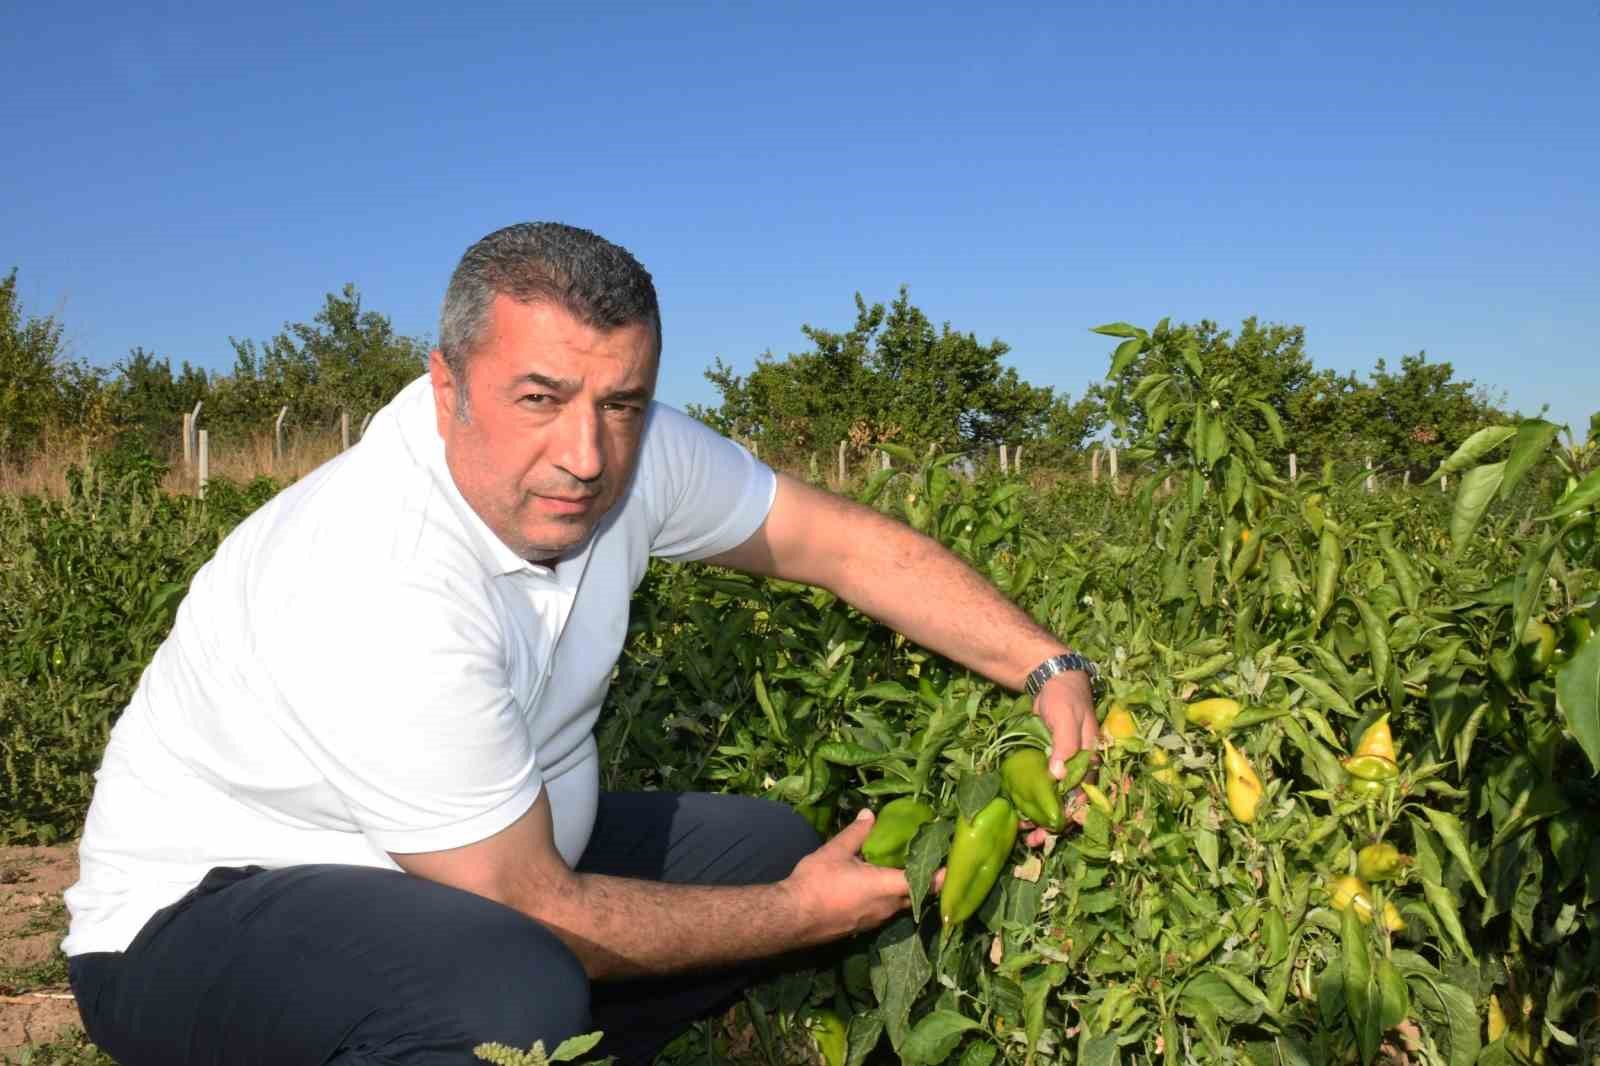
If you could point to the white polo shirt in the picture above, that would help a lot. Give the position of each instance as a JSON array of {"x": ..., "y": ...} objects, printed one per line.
[{"x": 364, "y": 668}]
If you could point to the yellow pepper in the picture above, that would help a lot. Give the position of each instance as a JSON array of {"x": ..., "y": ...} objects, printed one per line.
[{"x": 1244, "y": 787}]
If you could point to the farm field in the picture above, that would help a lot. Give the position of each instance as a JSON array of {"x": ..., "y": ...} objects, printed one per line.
[{"x": 1342, "y": 814}]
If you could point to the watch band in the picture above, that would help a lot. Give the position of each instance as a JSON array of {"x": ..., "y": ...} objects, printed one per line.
[{"x": 1060, "y": 664}]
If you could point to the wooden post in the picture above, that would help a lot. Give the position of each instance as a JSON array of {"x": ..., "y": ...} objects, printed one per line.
[
  {"x": 188, "y": 441},
  {"x": 1444, "y": 482},
  {"x": 1294, "y": 468},
  {"x": 344, "y": 431},
  {"x": 205, "y": 463},
  {"x": 884, "y": 457},
  {"x": 1003, "y": 470},
  {"x": 365, "y": 422},
  {"x": 1016, "y": 461},
  {"x": 1372, "y": 481},
  {"x": 841, "y": 462},
  {"x": 813, "y": 466},
  {"x": 1113, "y": 467},
  {"x": 1406, "y": 480},
  {"x": 1094, "y": 467},
  {"x": 277, "y": 433}
]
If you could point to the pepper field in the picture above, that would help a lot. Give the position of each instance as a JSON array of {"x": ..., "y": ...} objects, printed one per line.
[{"x": 1160, "y": 927}]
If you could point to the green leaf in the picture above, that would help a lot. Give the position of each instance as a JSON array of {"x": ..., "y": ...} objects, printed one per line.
[
  {"x": 936, "y": 1036},
  {"x": 1359, "y": 990},
  {"x": 1125, "y": 354},
  {"x": 1586, "y": 492},
  {"x": 1099, "y": 1050},
  {"x": 1533, "y": 440},
  {"x": 1460, "y": 1017},
  {"x": 1377, "y": 636},
  {"x": 574, "y": 1046},
  {"x": 898, "y": 976},
  {"x": 979, "y": 1055},
  {"x": 924, "y": 857},
  {"x": 974, "y": 793},
  {"x": 1450, "y": 830},
  {"x": 866, "y": 1027},
  {"x": 1478, "y": 487},
  {"x": 887, "y": 691},
  {"x": 1324, "y": 693},
  {"x": 1447, "y": 909},
  {"x": 1578, "y": 696},
  {"x": 1116, "y": 329},
  {"x": 1472, "y": 449},
  {"x": 1274, "y": 424}
]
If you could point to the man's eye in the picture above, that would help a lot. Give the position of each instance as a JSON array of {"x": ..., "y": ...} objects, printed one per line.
[{"x": 537, "y": 398}]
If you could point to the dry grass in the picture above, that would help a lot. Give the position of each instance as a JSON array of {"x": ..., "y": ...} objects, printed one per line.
[{"x": 44, "y": 473}]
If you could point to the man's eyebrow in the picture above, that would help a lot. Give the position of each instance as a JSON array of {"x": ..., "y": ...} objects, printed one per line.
[
  {"x": 637, "y": 394},
  {"x": 533, "y": 377}
]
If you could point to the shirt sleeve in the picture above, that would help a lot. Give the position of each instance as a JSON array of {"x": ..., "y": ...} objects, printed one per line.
[
  {"x": 402, "y": 703},
  {"x": 705, "y": 493}
]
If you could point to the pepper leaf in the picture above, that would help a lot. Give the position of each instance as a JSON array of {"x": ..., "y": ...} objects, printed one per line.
[
  {"x": 927, "y": 852},
  {"x": 1578, "y": 696}
]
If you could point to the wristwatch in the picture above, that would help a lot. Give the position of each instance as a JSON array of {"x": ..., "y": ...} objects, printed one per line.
[{"x": 1059, "y": 664}]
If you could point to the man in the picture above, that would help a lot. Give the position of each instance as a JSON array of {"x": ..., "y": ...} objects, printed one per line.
[{"x": 352, "y": 813}]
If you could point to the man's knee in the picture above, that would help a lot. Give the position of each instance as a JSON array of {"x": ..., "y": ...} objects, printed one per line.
[
  {"x": 783, "y": 835},
  {"x": 520, "y": 984}
]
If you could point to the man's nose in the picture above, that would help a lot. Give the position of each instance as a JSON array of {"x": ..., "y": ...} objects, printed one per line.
[{"x": 579, "y": 450}]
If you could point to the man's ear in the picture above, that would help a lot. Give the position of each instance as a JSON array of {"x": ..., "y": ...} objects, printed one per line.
[{"x": 445, "y": 398}]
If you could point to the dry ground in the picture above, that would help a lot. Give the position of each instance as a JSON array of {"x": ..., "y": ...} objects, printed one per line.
[{"x": 35, "y": 1004}]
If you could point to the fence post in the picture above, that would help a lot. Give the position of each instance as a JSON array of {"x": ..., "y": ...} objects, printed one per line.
[
  {"x": 813, "y": 466},
  {"x": 1294, "y": 467},
  {"x": 1372, "y": 480},
  {"x": 365, "y": 422},
  {"x": 1113, "y": 467},
  {"x": 1444, "y": 482},
  {"x": 277, "y": 433},
  {"x": 205, "y": 463},
  {"x": 1094, "y": 467},
  {"x": 1016, "y": 461},
  {"x": 188, "y": 441},
  {"x": 1003, "y": 470},
  {"x": 884, "y": 456},
  {"x": 1406, "y": 480},
  {"x": 344, "y": 431},
  {"x": 841, "y": 464}
]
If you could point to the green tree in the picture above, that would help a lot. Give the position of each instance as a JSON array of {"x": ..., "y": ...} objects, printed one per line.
[
  {"x": 345, "y": 359},
  {"x": 40, "y": 386},
  {"x": 150, "y": 400},
  {"x": 891, "y": 378}
]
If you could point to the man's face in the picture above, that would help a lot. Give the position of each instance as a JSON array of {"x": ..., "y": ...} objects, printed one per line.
[{"x": 554, "y": 413}]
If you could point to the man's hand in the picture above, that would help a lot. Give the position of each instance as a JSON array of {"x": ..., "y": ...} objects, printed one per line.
[
  {"x": 1066, "y": 706},
  {"x": 842, "y": 895}
]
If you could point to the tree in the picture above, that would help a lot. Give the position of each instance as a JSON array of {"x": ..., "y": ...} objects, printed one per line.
[
  {"x": 891, "y": 378},
  {"x": 345, "y": 359},
  {"x": 40, "y": 387}
]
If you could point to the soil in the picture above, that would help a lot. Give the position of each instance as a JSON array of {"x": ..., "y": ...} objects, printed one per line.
[{"x": 36, "y": 1006}]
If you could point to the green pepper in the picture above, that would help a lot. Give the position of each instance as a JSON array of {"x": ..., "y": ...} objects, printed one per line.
[
  {"x": 1380, "y": 862},
  {"x": 1025, "y": 778},
  {"x": 831, "y": 1035},
  {"x": 977, "y": 854},
  {"x": 1537, "y": 648},
  {"x": 1274, "y": 937},
  {"x": 1076, "y": 769},
  {"x": 893, "y": 830},
  {"x": 1394, "y": 998}
]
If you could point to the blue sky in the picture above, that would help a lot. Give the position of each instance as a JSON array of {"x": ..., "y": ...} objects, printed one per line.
[{"x": 1393, "y": 180}]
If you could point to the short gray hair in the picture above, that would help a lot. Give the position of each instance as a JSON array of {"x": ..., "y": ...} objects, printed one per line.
[{"x": 599, "y": 283}]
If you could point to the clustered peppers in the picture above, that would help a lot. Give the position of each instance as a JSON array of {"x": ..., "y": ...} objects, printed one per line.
[
  {"x": 892, "y": 831},
  {"x": 977, "y": 854}
]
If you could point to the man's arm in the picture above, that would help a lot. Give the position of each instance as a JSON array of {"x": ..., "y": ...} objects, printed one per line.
[
  {"x": 909, "y": 582},
  {"x": 620, "y": 927}
]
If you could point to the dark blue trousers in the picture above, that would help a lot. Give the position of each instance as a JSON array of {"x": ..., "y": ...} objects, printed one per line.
[{"x": 351, "y": 965}]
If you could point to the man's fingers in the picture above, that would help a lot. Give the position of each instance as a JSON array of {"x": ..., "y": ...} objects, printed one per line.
[{"x": 853, "y": 835}]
